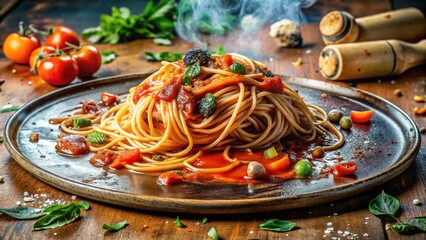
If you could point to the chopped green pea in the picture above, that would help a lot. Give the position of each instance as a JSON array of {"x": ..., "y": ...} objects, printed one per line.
[
  {"x": 303, "y": 168},
  {"x": 345, "y": 122}
]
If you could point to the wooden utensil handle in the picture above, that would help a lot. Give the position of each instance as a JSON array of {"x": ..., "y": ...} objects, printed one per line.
[
  {"x": 370, "y": 59},
  {"x": 408, "y": 24}
]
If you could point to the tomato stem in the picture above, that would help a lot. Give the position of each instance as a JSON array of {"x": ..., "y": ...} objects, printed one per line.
[
  {"x": 35, "y": 30},
  {"x": 72, "y": 46},
  {"x": 21, "y": 29}
]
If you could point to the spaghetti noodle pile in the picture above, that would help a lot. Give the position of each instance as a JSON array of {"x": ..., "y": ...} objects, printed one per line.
[{"x": 253, "y": 109}]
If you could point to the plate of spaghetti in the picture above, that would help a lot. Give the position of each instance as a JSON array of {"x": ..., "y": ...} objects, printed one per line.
[{"x": 210, "y": 134}]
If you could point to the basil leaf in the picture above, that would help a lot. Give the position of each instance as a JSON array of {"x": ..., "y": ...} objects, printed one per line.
[
  {"x": 213, "y": 234},
  {"x": 204, "y": 221},
  {"x": 96, "y": 137},
  {"x": 58, "y": 217},
  {"x": 116, "y": 227},
  {"x": 418, "y": 222},
  {"x": 178, "y": 223},
  {"x": 277, "y": 225},
  {"x": 403, "y": 227},
  {"x": 384, "y": 204},
  {"x": 81, "y": 122},
  {"x": 186, "y": 81},
  {"x": 162, "y": 41},
  {"x": 163, "y": 56},
  {"x": 9, "y": 108},
  {"x": 108, "y": 56},
  {"x": 193, "y": 70},
  {"x": 22, "y": 212}
]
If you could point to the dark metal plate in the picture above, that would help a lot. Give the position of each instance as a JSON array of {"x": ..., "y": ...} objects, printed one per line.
[{"x": 382, "y": 149}]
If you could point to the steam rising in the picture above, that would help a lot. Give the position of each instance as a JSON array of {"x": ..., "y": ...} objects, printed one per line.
[{"x": 199, "y": 19}]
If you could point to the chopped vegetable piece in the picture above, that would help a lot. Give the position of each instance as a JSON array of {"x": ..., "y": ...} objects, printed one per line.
[
  {"x": 126, "y": 157},
  {"x": 318, "y": 152},
  {"x": 9, "y": 108},
  {"x": 81, "y": 122},
  {"x": 186, "y": 81},
  {"x": 193, "y": 70},
  {"x": 270, "y": 153},
  {"x": 34, "y": 137},
  {"x": 303, "y": 168},
  {"x": 345, "y": 168},
  {"x": 168, "y": 178},
  {"x": 207, "y": 105},
  {"x": 73, "y": 144},
  {"x": 238, "y": 68},
  {"x": 362, "y": 116},
  {"x": 108, "y": 98},
  {"x": 115, "y": 227},
  {"x": 213, "y": 234},
  {"x": 96, "y": 137},
  {"x": 279, "y": 165},
  {"x": 178, "y": 223},
  {"x": 277, "y": 225},
  {"x": 345, "y": 122}
]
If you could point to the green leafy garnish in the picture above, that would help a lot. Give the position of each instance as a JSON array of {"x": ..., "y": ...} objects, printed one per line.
[
  {"x": 387, "y": 205},
  {"x": 108, "y": 56},
  {"x": 163, "y": 56},
  {"x": 9, "y": 108},
  {"x": 193, "y": 70},
  {"x": 96, "y": 137},
  {"x": 277, "y": 225},
  {"x": 59, "y": 215},
  {"x": 162, "y": 41},
  {"x": 156, "y": 21},
  {"x": 204, "y": 221},
  {"x": 23, "y": 212},
  {"x": 114, "y": 228},
  {"x": 186, "y": 81},
  {"x": 270, "y": 153},
  {"x": 238, "y": 68},
  {"x": 220, "y": 50},
  {"x": 207, "y": 105},
  {"x": 81, "y": 122},
  {"x": 384, "y": 204},
  {"x": 178, "y": 223},
  {"x": 213, "y": 234},
  {"x": 1, "y": 139}
]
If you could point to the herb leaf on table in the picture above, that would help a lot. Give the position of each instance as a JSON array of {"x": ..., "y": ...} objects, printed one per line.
[{"x": 22, "y": 212}]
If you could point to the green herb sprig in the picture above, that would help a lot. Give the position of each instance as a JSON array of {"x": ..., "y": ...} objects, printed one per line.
[
  {"x": 163, "y": 56},
  {"x": 156, "y": 21},
  {"x": 115, "y": 227},
  {"x": 385, "y": 205},
  {"x": 277, "y": 225},
  {"x": 178, "y": 223}
]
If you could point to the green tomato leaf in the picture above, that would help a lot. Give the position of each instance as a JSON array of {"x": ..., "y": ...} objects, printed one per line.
[
  {"x": 22, "y": 212},
  {"x": 384, "y": 204},
  {"x": 178, "y": 223},
  {"x": 418, "y": 222},
  {"x": 277, "y": 225},
  {"x": 403, "y": 227},
  {"x": 213, "y": 234},
  {"x": 108, "y": 56},
  {"x": 116, "y": 227},
  {"x": 9, "y": 108}
]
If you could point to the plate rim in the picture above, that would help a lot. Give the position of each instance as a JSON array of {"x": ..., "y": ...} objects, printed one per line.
[{"x": 251, "y": 205}]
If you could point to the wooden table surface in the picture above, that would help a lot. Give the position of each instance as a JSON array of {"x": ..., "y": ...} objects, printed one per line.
[{"x": 351, "y": 214}]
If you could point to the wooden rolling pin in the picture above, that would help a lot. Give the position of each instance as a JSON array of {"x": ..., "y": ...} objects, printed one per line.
[
  {"x": 408, "y": 24},
  {"x": 370, "y": 59}
]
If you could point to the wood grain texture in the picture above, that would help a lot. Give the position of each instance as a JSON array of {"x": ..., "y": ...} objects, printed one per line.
[{"x": 349, "y": 214}]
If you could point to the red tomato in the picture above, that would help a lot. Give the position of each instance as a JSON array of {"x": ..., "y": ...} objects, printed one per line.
[
  {"x": 39, "y": 54},
  {"x": 226, "y": 61},
  {"x": 108, "y": 98},
  {"x": 344, "y": 168},
  {"x": 169, "y": 178},
  {"x": 126, "y": 157},
  {"x": 277, "y": 166},
  {"x": 58, "y": 71},
  {"x": 362, "y": 116},
  {"x": 18, "y": 47},
  {"x": 60, "y": 36},
  {"x": 88, "y": 59}
]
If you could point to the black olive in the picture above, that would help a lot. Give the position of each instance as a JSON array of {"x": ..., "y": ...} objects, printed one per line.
[{"x": 197, "y": 55}]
